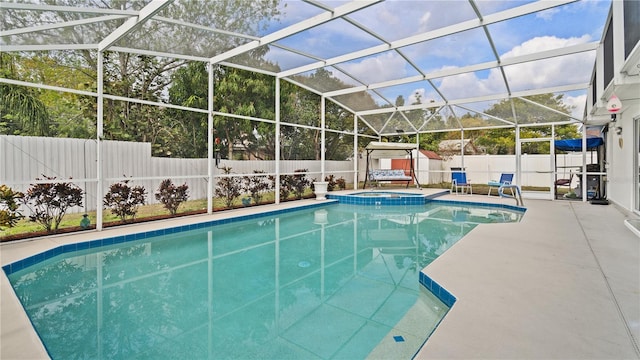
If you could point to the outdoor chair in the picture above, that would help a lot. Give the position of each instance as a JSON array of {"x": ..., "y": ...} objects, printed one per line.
[
  {"x": 505, "y": 179},
  {"x": 460, "y": 184}
]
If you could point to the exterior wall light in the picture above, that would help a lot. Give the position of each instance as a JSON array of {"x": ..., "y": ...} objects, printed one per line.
[{"x": 613, "y": 107}]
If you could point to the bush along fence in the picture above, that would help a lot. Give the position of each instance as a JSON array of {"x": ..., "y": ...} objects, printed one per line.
[
  {"x": 24, "y": 158},
  {"x": 49, "y": 202}
]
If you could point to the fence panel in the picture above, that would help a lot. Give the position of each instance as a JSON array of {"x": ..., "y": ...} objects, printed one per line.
[
  {"x": 25, "y": 158},
  {"x": 484, "y": 168}
]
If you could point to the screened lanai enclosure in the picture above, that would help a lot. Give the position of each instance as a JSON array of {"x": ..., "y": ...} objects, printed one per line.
[{"x": 226, "y": 94}]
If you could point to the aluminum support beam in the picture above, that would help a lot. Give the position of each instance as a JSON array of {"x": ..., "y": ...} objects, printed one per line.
[{"x": 147, "y": 12}]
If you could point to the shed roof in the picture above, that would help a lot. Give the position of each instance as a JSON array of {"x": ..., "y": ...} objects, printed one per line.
[{"x": 432, "y": 155}]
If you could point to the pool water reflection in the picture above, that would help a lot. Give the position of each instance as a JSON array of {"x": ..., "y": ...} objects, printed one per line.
[{"x": 323, "y": 283}]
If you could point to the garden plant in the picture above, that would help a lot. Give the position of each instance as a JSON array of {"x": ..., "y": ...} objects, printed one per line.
[
  {"x": 124, "y": 200},
  {"x": 171, "y": 196},
  {"x": 256, "y": 186},
  {"x": 228, "y": 188},
  {"x": 299, "y": 183},
  {"x": 9, "y": 204},
  {"x": 334, "y": 183},
  {"x": 48, "y": 203}
]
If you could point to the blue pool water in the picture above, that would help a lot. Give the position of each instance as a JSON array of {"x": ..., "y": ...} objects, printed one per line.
[{"x": 332, "y": 282}]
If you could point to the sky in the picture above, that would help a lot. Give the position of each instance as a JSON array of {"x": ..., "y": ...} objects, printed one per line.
[
  {"x": 567, "y": 25},
  {"x": 389, "y": 22}
]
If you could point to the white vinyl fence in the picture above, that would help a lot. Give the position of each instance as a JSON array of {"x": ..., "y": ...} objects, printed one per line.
[
  {"x": 536, "y": 169},
  {"x": 23, "y": 159}
]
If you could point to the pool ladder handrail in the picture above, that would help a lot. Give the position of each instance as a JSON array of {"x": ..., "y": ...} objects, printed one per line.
[{"x": 517, "y": 196}]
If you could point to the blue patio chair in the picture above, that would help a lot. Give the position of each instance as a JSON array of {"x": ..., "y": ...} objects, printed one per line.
[
  {"x": 459, "y": 183},
  {"x": 505, "y": 179}
]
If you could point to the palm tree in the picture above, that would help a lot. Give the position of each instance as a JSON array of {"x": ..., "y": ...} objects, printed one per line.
[{"x": 22, "y": 111}]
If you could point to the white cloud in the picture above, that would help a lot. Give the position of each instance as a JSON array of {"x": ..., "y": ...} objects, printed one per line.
[
  {"x": 543, "y": 43},
  {"x": 577, "y": 103},
  {"x": 424, "y": 21},
  {"x": 385, "y": 66},
  {"x": 384, "y": 16},
  {"x": 464, "y": 86},
  {"x": 532, "y": 75},
  {"x": 562, "y": 70},
  {"x": 545, "y": 73},
  {"x": 547, "y": 14}
]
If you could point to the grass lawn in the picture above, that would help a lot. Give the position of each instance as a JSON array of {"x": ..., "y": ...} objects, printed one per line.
[{"x": 26, "y": 227}]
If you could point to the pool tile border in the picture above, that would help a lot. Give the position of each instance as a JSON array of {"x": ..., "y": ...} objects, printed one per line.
[
  {"x": 436, "y": 289},
  {"x": 409, "y": 199},
  {"x": 413, "y": 199},
  {"x": 58, "y": 250}
]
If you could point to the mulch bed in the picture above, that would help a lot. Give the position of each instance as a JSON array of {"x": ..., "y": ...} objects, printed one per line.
[{"x": 75, "y": 229}]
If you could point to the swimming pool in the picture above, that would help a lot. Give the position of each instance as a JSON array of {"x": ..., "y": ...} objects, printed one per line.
[
  {"x": 384, "y": 198},
  {"x": 330, "y": 282}
]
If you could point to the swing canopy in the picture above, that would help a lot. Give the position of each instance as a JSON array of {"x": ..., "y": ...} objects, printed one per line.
[{"x": 388, "y": 150}]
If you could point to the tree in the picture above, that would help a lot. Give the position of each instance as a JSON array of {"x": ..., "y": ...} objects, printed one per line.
[
  {"x": 129, "y": 75},
  {"x": 300, "y": 106},
  {"x": 21, "y": 110},
  {"x": 71, "y": 115},
  {"x": 498, "y": 141},
  {"x": 189, "y": 88},
  {"x": 236, "y": 91},
  {"x": 501, "y": 141},
  {"x": 338, "y": 146},
  {"x": 244, "y": 93},
  {"x": 49, "y": 202}
]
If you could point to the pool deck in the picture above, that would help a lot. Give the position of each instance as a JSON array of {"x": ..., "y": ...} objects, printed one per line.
[{"x": 563, "y": 283}]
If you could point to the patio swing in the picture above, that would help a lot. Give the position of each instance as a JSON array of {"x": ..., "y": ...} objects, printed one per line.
[{"x": 386, "y": 150}]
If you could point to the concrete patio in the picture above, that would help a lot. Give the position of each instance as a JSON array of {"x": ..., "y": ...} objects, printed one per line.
[{"x": 562, "y": 284}]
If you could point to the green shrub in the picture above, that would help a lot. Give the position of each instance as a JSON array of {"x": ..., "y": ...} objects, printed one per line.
[
  {"x": 295, "y": 184},
  {"x": 49, "y": 202},
  {"x": 172, "y": 196},
  {"x": 299, "y": 183},
  {"x": 123, "y": 200},
  {"x": 333, "y": 183},
  {"x": 9, "y": 203},
  {"x": 256, "y": 186},
  {"x": 286, "y": 182},
  {"x": 228, "y": 188}
]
